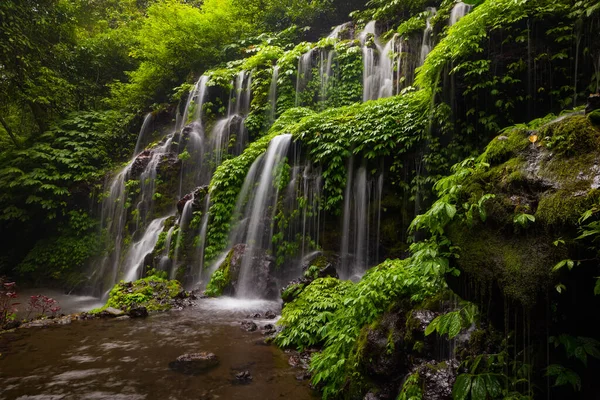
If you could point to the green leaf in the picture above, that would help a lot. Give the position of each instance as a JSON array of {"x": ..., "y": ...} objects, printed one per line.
[
  {"x": 478, "y": 390},
  {"x": 493, "y": 385},
  {"x": 462, "y": 387},
  {"x": 597, "y": 287}
]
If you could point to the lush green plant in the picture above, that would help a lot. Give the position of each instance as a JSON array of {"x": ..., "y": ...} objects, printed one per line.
[
  {"x": 453, "y": 322},
  {"x": 414, "y": 278},
  {"x": 305, "y": 319}
]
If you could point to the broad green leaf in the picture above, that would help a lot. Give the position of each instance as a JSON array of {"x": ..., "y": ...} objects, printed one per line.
[
  {"x": 478, "y": 390},
  {"x": 462, "y": 387}
]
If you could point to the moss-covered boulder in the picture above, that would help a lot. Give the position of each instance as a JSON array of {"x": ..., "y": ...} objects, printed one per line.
[
  {"x": 155, "y": 293},
  {"x": 542, "y": 181}
]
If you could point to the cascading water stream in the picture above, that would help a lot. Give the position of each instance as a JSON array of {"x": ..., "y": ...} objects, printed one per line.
[
  {"x": 135, "y": 256},
  {"x": 273, "y": 94},
  {"x": 427, "y": 42},
  {"x": 259, "y": 212},
  {"x": 184, "y": 221},
  {"x": 142, "y": 140},
  {"x": 361, "y": 222},
  {"x": 459, "y": 10},
  {"x": 303, "y": 74}
]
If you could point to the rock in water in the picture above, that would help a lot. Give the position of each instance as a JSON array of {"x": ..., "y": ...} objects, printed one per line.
[
  {"x": 138, "y": 312},
  {"x": 270, "y": 315},
  {"x": 243, "y": 377},
  {"x": 194, "y": 363},
  {"x": 249, "y": 326}
]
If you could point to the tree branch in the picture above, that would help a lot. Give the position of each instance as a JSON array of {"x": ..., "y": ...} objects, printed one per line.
[{"x": 10, "y": 132}]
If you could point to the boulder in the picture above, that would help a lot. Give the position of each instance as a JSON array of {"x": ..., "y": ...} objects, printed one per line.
[
  {"x": 140, "y": 163},
  {"x": 194, "y": 363},
  {"x": 249, "y": 326},
  {"x": 593, "y": 103},
  {"x": 138, "y": 312}
]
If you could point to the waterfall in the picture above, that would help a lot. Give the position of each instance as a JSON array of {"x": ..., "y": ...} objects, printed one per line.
[
  {"x": 273, "y": 94},
  {"x": 184, "y": 220},
  {"x": 338, "y": 30},
  {"x": 459, "y": 10},
  {"x": 380, "y": 64},
  {"x": 361, "y": 221},
  {"x": 165, "y": 261},
  {"x": 304, "y": 74},
  {"x": 142, "y": 140},
  {"x": 259, "y": 214},
  {"x": 196, "y": 99},
  {"x": 136, "y": 254},
  {"x": 128, "y": 212},
  {"x": 427, "y": 42}
]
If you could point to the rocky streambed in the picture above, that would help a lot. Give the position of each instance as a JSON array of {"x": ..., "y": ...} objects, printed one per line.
[{"x": 200, "y": 352}]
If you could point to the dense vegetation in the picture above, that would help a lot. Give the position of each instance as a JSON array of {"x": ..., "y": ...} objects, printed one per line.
[{"x": 488, "y": 215}]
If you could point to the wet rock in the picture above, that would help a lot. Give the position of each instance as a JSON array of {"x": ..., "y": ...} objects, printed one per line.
[
  {"x": 138, "y": 312},
  {"x": 183, "y": 201},
  {"x": 300, "y": 359},
  {"x": 269, "y": 329},
  {"x": 593, "y": 103},
  {"x": 303, "y": 376},
  {"x": 255, "y": 316},
  {"x": 10, "y": 325},
  {"x": 244, "y": 376},
  {"x": 194, "y": 363},
  {"x": 112, "y": 312},
  {"x": 438, "y": 379},
  {"x": 123, "y": 318},
  {"x": 270, "y": 315},
  {"x": 140, "y": 163},
  {"x": 249, "y": 326},
  {"x": 261, "y": 263}
]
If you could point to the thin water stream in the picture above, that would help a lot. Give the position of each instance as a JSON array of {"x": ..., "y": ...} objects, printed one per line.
[{"x": 129, "y": 359}]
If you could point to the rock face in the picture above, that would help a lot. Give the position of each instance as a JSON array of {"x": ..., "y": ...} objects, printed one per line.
[
  {"x": 140, "y": 163},
  {"x": 197, "y": 196},
  {"x": 262, "y": 266},
  {"x": 194, "y": 363}
]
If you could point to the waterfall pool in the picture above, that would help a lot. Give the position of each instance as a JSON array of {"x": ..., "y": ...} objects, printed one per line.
[{"x": 129, "y": 359}]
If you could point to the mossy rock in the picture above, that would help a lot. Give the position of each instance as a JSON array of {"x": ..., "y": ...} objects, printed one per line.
[
  {"x": 154, "y": 292},
  {"x": 520, "y": 265},
  {"x": 594, "y": 118}
]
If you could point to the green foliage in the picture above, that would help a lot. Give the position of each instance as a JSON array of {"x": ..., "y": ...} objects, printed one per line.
[
  {"x": 220, "y": 279},
  {"x": 38, "y": 182},
  {"x": 304, "y": 320},
  {"x": 523, "y": 219},
  {"x": 411, "y": 389},
  {"x": 363, "y": 303},
  {"x": 371, "y": 130},
  {"x": 453, "y": 322}
]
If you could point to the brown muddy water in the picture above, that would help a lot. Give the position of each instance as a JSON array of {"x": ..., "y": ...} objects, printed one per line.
[{"x": 129, "y": 359}]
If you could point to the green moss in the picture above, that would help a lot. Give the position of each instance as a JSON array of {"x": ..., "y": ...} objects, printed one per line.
[
  {"x": 571, "y": 136},
  {"x": 520, "y": 265},
  {"x": 153, "y": 292},
  {"x": 565, "y": 206},
  {"x": 594, "y": 118},
  {"x": 505, "y": 146},
  {"x": 220, "y": 279}
]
